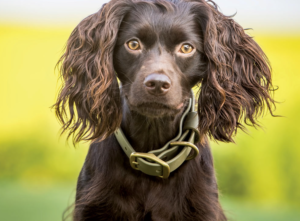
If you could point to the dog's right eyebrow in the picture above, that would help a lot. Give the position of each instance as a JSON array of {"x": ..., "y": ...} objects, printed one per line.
[
  {"x": 147, "y": 35},
  {"x": 142, "y": 30}
]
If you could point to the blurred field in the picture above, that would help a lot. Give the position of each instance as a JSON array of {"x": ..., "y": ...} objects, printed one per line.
[
  {"x": 259, "y": 176},
  {"x": 34, "y": 204}
]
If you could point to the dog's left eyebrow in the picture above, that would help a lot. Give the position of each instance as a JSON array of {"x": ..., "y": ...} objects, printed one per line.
[{"x": 179, "y": 35}]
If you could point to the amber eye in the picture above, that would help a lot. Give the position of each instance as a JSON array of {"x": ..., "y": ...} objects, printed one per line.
[
  {"x": 133, "y": 45},
  {"x": 186, "y": 48}
]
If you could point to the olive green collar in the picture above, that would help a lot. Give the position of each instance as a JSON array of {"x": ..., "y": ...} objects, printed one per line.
[{"x": 163, "y": 161}]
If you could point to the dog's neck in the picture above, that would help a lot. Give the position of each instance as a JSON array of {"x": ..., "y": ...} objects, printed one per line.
[{"x": 145, "y": 133}]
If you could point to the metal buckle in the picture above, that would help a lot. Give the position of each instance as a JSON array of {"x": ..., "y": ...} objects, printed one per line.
[
  {"x": 150, "y": 156},
  {"x": 183, "y": 143}
]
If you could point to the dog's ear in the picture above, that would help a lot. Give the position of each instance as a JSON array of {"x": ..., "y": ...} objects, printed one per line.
[
  {"x": 88, "y": 104},
  {"x": 237, "y": 83}
]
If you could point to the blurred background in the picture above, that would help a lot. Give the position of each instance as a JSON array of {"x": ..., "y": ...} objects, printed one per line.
[{"x": 259, "y": 176}]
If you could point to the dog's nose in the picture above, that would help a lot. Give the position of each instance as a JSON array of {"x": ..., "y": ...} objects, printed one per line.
[{"x": 157, "y": 84}]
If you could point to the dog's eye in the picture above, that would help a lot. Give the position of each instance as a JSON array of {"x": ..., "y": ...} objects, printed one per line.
[
  {"x": 186, "y": 48},
  {"x": 133, "y": 45}
]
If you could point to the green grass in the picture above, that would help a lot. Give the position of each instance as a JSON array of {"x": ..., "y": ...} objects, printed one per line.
[
  {"x": 26, "y": 203},
  {"x": 241, "y": 210},
  {"x": 31, "y": 203}
]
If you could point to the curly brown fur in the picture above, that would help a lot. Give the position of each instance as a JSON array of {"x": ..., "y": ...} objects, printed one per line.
[{"x": 235, "y": 79}]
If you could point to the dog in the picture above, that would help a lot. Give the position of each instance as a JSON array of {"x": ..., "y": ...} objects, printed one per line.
[{"x": 129, "y": 69}]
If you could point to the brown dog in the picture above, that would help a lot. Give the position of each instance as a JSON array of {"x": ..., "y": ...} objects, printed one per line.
[{"x": 159, "y": 50}]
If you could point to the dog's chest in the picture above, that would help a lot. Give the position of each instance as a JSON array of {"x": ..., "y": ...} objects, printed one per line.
[{"x": 149, "y": 200}]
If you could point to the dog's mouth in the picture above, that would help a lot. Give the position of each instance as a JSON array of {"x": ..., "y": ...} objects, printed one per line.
[
  {"x": 156, "y": 110},
  {"x": 154, "y": 105}
]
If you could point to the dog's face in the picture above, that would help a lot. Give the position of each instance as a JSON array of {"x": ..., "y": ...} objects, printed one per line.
[
  {"x": 159, "y": 49},
  {"x": 157, "y": 58}
]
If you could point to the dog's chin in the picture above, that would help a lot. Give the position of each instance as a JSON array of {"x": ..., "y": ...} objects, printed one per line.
[{"x": 157, "y": 110}]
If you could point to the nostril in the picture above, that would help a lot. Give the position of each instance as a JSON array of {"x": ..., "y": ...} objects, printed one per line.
[
  {"x": 150, "y": 84},
  {"x": 166, "y": 85}
]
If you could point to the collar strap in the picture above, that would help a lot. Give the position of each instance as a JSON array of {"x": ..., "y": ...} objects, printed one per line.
[{"x": 163, "y": 161}]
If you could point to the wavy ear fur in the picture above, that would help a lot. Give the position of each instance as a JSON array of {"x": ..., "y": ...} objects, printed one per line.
[
  {"x": 237, "y": 85},
  {"x": 89, "y": 104}
]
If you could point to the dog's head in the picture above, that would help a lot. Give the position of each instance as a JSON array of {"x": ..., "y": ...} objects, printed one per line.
[
  {"x": 157, "y": 57},
  {"x": 159, "y": 50}
]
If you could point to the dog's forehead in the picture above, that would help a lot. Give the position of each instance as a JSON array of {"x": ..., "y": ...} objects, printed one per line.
[{"x": 151, "y": 22}]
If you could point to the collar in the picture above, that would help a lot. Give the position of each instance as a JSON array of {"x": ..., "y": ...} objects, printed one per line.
[{"x": 163, "y": 161}]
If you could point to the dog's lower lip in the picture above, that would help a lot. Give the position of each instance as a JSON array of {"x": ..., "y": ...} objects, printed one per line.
[{"x": 154, "y": 105}]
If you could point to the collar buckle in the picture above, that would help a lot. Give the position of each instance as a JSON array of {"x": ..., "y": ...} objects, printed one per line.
[{"x": 134, "y": 164}]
